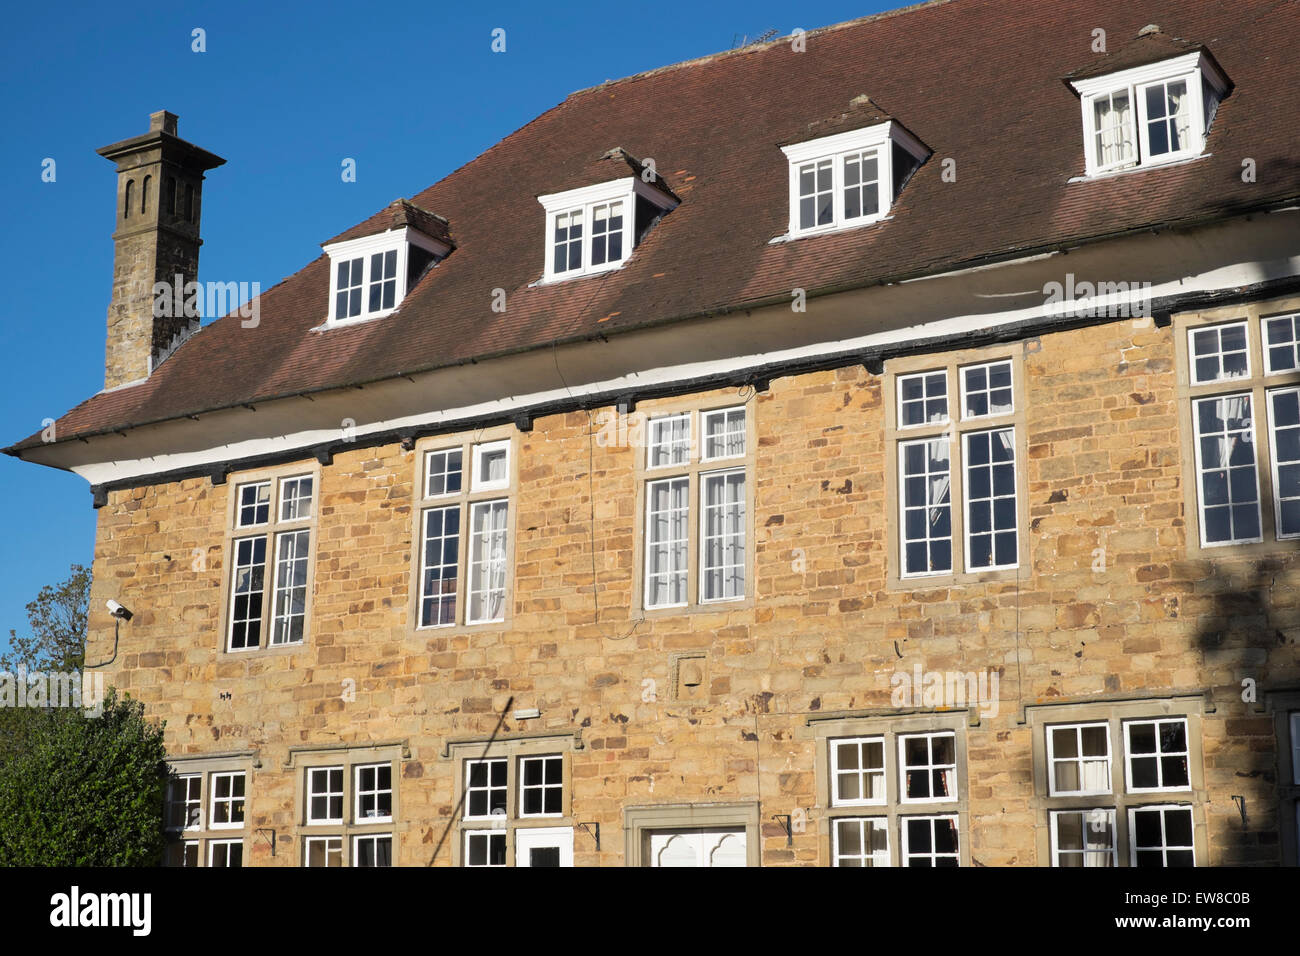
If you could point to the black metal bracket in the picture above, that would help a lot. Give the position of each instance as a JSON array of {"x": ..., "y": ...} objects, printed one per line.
[
  {"x": 218, "y": 474},
  {"x": 262, "y": 831},
  {"x": 324, "y": 454},
  {"x": 98, "y": 496},
  {"x": 1240, "y": 801},
  {"x": 874, "y": 364},
  {"x": 593, "y": 830},
  {"x": 524, "y": 421},
  {"x": 786, "y": 826}
]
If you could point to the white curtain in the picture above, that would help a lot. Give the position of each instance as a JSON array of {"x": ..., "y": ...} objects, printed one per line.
[
  {"x": 1230, "y": 411},
  {"x": 496, "y": 467},
  {"x": 488, "y": 588},
  {"x": 1178, "y": 104},
  {"x": 1114, "y": 117},
  {"x": 939, "y": 485}
]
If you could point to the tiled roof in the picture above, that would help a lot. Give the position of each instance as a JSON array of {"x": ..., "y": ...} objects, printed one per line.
[{"x": 979, "y": 81}]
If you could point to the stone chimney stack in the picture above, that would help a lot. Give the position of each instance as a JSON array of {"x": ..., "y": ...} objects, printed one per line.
[{"x": 159, "y": 193}]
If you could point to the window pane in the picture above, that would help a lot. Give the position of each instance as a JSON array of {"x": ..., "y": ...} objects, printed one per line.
[
  {"x": 290, "y": 587},
  {"x": 923, "y": 399},
  {"x": 248, "y": 576},
  {"x": 724, "y": 433},
  {"x": 1284, "y": 418},
  {"x": 669, "y": 441},
  {"x": 1226, "y": 461},
  {"x": 666, "y": 541},
  {"x": 861, "y": 842},
  {"x": 487, "y": 582},
  {"x": 439, "y": 572},
  {"x": 1113, "y": 129},
  {"x": 723, "y": 568},
  {"x": 927, "y": 506},
  {"x": 991, "y": 512},
  {"x": 295, "y": 499},
  {"x": 1282, "y": 343},
  {"x": 443, "y": 473}
]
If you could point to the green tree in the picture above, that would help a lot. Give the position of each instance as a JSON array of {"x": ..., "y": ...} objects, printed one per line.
[
  {"x": 82, "y": 790},
  {"x": 58, "y": 627}
]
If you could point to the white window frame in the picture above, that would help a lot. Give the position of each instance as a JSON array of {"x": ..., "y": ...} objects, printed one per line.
[
  {"x": 1125, "y": 726},
  {"x": 328, "y": 793},
  {"x": 929, "y": 767},
  {"x": 360, "y": 838},
  {"x": 307, "y": 845},
  {"x": 282, "y": 538},
  {"x": 1294, "y": 341},
  {"x": 359, "y": 792},
  {"x": 488, "y": 788},
  {"x": 905, "y": 851},
  {"x": 445, "y": 453},
  {"x": 584, "y": 200},
  {"x": 1079, "y": 760},
  {"x": 1196, "y": 401},
  {"x": 671, "y": 543},
  {"x": 477, "y": 451},
  {"x": 1165, "y": 848},
  {"x": 1056, "y": 850},
  {"x": 212, "y": 849},
  {"x": 231, "y": 800},
  {"x": 883, "y": 773},
  {"x": 1194, "y": 68},
  {"x": 399, "y": 240},
  {"x": 524, "y": 788},
  {"x": 722, "y": 413},
  {"x": 529, "y": 838},
  {"x": 661, "y": 423},
  {"x": 861, "y": 822},
  {"x": 988, "y": 389},
  {"x": 186, "y": 802},
  {"x": 881, "y": 138},
  {"x": 482, "y": 564},
  {"x": 704, "y": 567},
  {"x": 490, "y": 835},
  {"x": 272, "y": 532},
  {"x": 1274, "y": 463},
  {"x": 474, "y": 494},
  {"x": 967, "y": 465},
  {"x": 926, "y": 397},
  {"x": 903, "y": 508},
  {"x": 1217, "y": 328}
]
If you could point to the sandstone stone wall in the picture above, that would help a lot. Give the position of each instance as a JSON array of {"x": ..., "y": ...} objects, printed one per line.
[{"x": 823, "y": 632}]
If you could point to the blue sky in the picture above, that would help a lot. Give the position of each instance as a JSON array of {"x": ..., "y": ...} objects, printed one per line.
[{"x": 284, "y": 92}]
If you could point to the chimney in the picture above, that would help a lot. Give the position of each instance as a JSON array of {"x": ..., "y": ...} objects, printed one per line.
[{"x": 159, "y": 194}]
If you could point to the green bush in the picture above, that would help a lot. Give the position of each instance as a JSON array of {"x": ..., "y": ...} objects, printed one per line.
[{"x": 77, "y": 790}]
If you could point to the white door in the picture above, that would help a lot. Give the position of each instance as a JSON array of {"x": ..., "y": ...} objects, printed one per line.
[
  {"x": 722, "y": 847},
  {"x": 544, "y": 846}
]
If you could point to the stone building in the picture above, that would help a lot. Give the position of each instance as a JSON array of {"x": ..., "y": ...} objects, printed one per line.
[{"x": 876, "y": 446}]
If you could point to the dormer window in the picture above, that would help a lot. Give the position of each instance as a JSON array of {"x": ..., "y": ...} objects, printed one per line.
[
  {"x": 371, "y": 274},
  {"x": 1150, "y": 115},
  {"x": 849, "y": 179},
  {"x": 594, "y": 229}
]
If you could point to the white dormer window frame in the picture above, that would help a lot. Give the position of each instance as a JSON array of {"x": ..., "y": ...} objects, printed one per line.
[
  {"x": 1141, "y": 132},
  {"x": 837, "y": 167},
  {"x": 590, "y": 252},
  {"x": 369, "y": 269}
]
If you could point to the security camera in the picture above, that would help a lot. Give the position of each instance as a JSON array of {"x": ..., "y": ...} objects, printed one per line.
[{"x": 118, "y": 611}]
